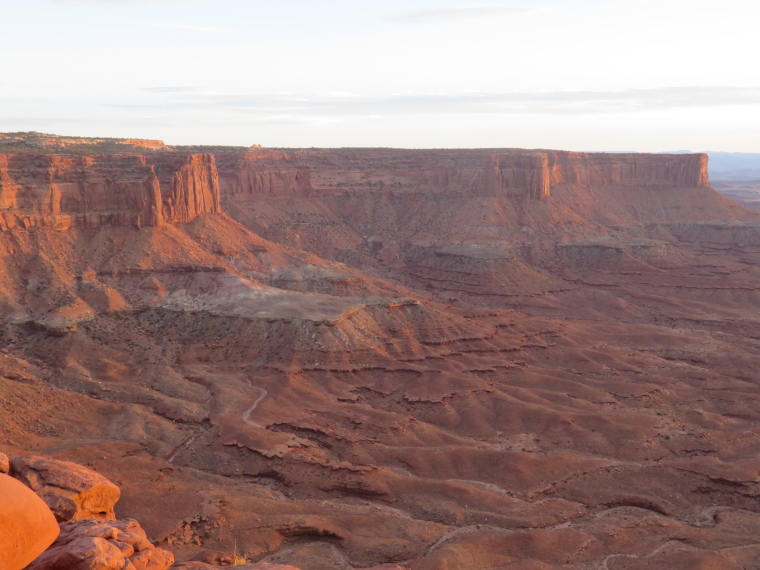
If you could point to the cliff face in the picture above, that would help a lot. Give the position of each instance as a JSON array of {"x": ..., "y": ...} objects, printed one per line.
[
  {"x": 516, "y": 175},
  {"x": 335, "y": 172},
  {"x": 59, "y": 191},
  {"x": 264, "y": 173},
  {"x": 642, "y": 170},
  {"x": 496, "y": 174},
  {"x": 189, "y": 185}
]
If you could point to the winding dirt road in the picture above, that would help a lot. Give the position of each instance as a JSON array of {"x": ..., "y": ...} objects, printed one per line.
[{"x": 247, "y": 415}]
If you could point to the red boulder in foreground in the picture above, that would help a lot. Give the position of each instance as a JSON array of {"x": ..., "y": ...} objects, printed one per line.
[
  {"x": 27, "y": 526},
  {"x": 71, "y": 491},
  {"x": 96, "y": 545}
]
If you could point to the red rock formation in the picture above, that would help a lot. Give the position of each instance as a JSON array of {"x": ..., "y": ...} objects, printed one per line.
[
  {"x": 27, "y": 527},
  {"x": 71, "y": 491},
  {"x": 264, "y": 173},
  {"x": 631, "y": 169},
  {"x": 143, "y": 143},
  {"x": 58, "y": 191},
  {"x": 519, "y": 175},
  {"x": 96, "y": 545},
  {"x": 189, "y": 185},
  {"x": 486, "y": 173},
  {"x": 61, "y": 191}
]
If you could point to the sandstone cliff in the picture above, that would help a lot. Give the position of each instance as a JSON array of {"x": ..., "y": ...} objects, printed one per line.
[
  {"x": 483, "y": 173},
  {"x": 189, "y": 185},
  {"x": 641, "y": 170},
  {"x": 264, "y": 173},
  {"x": 60, "y": 191}
]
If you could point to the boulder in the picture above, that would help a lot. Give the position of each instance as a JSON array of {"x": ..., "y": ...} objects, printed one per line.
[
  {"x": 98, "y": 545},
  {"x": 27, "y": 526},
  {"x": 5, "y": 464},
  {"x": 71, "y": 491}
]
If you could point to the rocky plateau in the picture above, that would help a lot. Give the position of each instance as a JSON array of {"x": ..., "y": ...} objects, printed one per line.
[{"x": 332, "y": 359}]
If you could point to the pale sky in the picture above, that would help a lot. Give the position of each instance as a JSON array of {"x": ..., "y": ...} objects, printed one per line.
[{"x": 643, "y": 75}]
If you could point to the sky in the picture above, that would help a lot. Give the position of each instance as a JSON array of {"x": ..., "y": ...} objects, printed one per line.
[{"x": 589, "y": 75}]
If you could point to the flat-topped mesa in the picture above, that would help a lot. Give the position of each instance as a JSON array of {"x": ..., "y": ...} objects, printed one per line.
[
  {"x": 629, "y": 169},
  {"x": 509, "y": 173},
  {"x": 143, "y": 143},
  {"x": 329, "y": 172},
  {"x": 61, "y": 191}
]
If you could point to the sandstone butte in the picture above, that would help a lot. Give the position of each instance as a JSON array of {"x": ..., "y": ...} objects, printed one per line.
[{"x": 357, "y": 358}]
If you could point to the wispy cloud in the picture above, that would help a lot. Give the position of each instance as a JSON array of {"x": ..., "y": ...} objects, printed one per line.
[
  {"x": 463, "y": 12},
  {"x": 168, "y": 89},
  {"x": 191, "y": 27},
  {"x": 543, "y": 103},
  {"x": 113, "y": 2}
]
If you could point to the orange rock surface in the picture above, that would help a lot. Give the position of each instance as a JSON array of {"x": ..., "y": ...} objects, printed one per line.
[
  {"x": 27, "y": 527},
  {"x": 58, "y": 192},
  {"x": 72, "y": 492},
  {"x": 98, "y": 545}
]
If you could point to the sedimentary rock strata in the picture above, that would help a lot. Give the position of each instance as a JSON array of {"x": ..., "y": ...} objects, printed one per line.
[
  {"x": 58, "y": 192},
  {"x": 431, "y": 359}
]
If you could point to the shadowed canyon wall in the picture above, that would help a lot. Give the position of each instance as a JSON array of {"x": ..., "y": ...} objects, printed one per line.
[{"x": 60, "y": 191}]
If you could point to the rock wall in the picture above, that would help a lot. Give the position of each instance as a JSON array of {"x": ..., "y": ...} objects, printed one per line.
[
  {"x": 263, "y": 173},
  {"x": 322, "y": 172},
  {"x": 189, "y": 185},
  {"x": 525, "y": 175},
  {"x": 61, "y": 191},
  {"x": 645, "y": 170},
  {"x": 483, "y": 173}
]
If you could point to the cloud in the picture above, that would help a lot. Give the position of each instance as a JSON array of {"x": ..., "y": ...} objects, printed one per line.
[
  {"x": 168, "y": 89},
  {"x": 462, "y": 12},
  {"x": 112, "y": 2},
  {"x": 208, "y": 29},
  {"x": 543, "y": 103}
]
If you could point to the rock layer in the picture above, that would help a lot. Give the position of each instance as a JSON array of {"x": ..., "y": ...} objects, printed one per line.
[
  {"x": 630, "y": 169},
  {"x": 61, "y": 191},
  {"x": 487, "y": 173}
]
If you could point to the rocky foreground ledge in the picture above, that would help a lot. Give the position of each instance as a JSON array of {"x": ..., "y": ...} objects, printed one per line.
[{"x": 57, "y": 515}]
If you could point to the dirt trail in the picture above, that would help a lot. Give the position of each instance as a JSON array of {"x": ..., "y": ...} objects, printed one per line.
[
  {"x": 247, "y": 415},
  {"x": 182, "y": 447}
]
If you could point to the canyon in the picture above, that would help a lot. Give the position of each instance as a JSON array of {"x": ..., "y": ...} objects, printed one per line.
[{"x": 428, "y": 359}]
